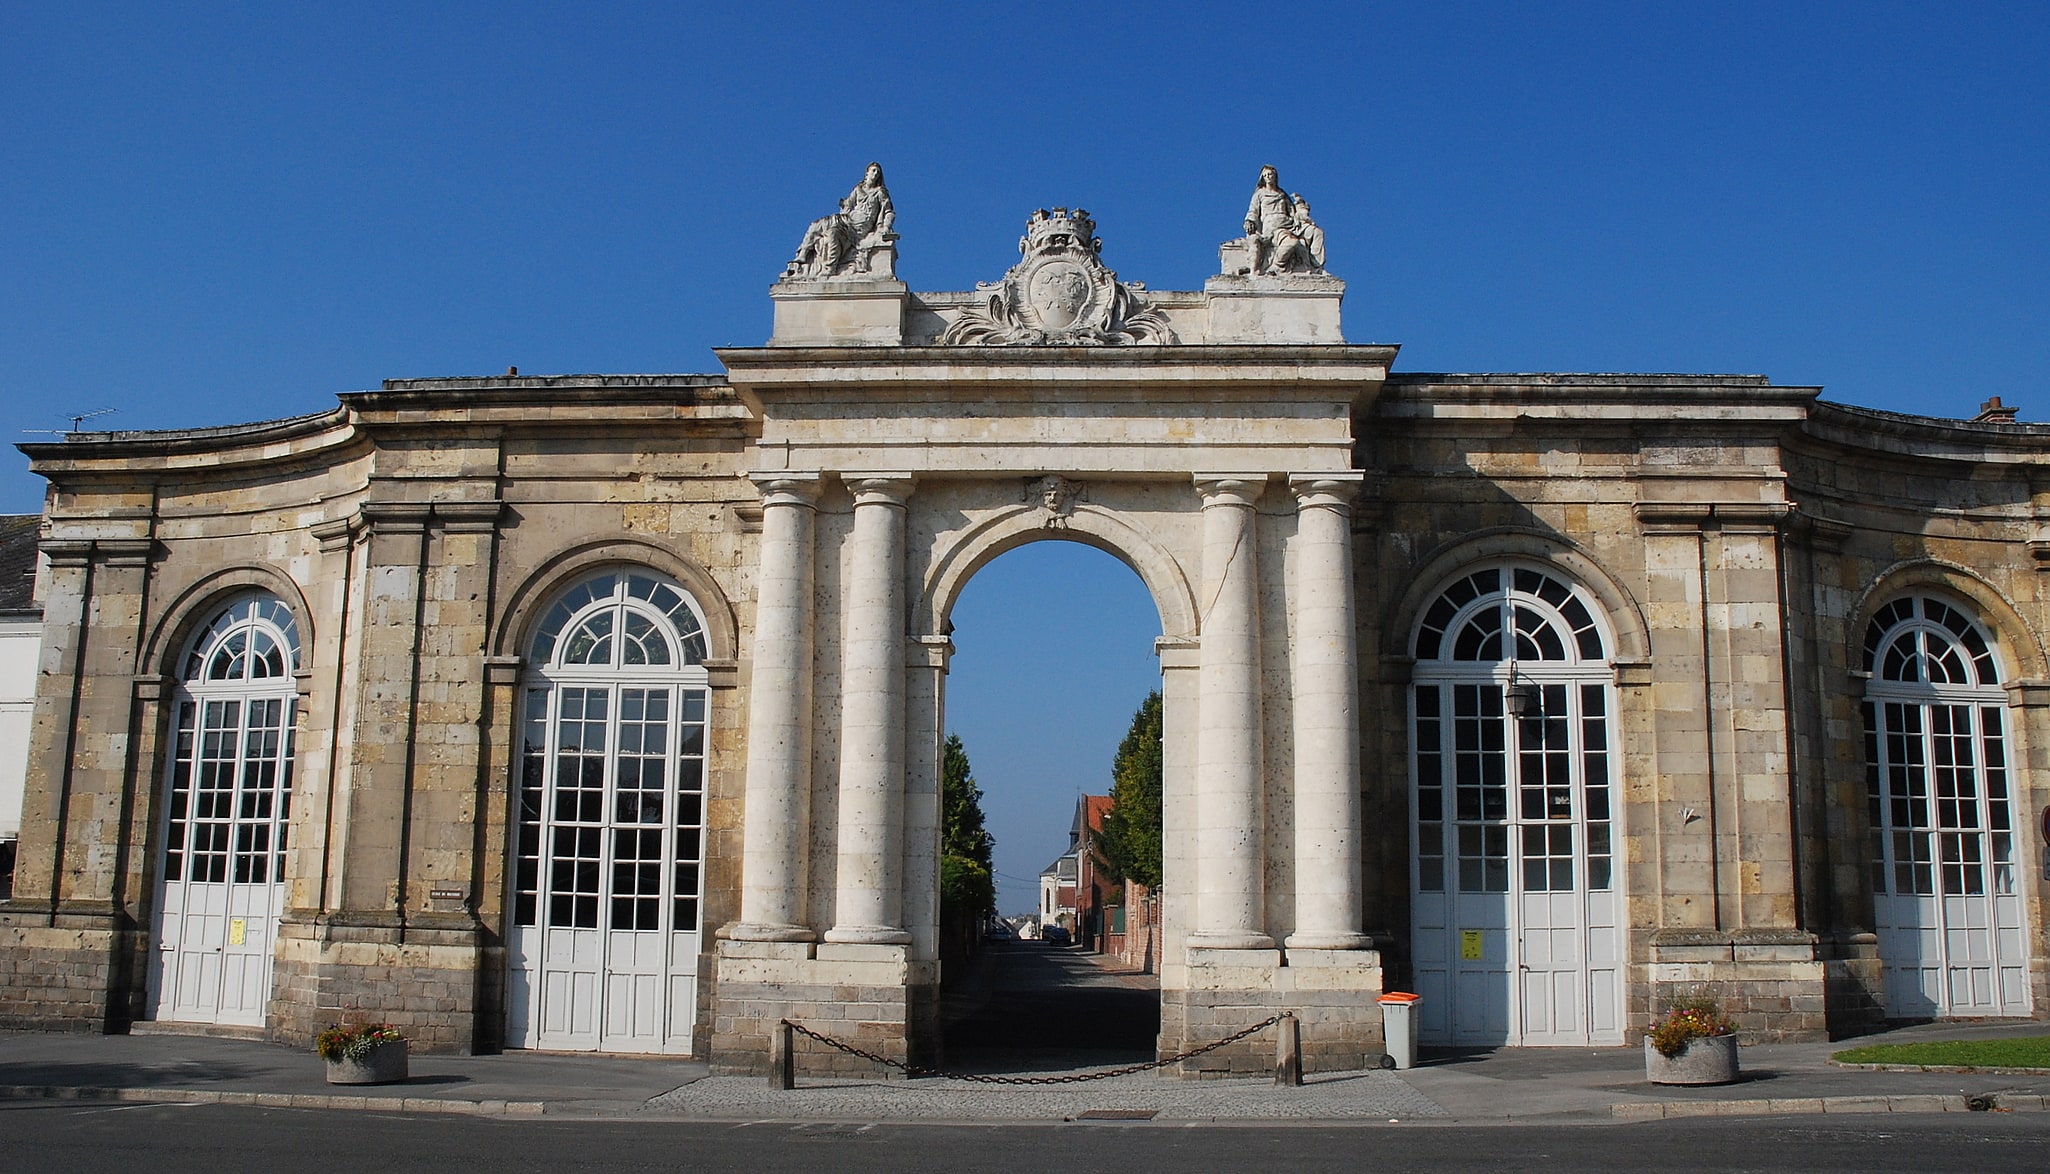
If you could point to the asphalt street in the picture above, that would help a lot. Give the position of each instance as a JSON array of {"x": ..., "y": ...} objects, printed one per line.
[{"x": 58, "y": 1138}]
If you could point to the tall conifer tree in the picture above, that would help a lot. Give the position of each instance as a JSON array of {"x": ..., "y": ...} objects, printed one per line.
[{"x": 1130, "y": 839}]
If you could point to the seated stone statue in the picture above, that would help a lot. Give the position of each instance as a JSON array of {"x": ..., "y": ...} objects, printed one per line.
[
  {"x": 1312, "y": 236},
  {"x": 845, "y": 243},
  {"x": 1280, "y": 237}
]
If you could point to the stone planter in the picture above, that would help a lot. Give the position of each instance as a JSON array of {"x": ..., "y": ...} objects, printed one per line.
[
  {"x": 384, "y": 1064},
  {"x": 1705, "y": 1060}
]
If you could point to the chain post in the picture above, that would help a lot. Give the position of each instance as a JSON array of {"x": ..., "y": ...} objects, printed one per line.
[
  {"x": 783, "y": 1056},
  {"x": 1288, "y": 1052}
]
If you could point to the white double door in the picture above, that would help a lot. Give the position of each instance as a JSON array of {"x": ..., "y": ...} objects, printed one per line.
[
  {"x": 603, "y": 952},
  {"x": 221, "y": 886},
  {"x": 1953, "y": 937},
  {"x": 1515, "y": 914},
  {"x": 1519, "y": 969},
  {"x": 1953, "y": 955}
]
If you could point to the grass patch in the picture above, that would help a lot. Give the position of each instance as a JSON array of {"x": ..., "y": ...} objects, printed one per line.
[{"x": 2026, "y": 1052}]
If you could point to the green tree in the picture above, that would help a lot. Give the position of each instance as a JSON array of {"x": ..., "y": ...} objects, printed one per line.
[
  {"x": 1130, "y": 839},
  {"x": 967, "y": 875}
]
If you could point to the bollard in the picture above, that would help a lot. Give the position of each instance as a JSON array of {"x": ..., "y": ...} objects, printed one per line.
[
  {"x": 1288, "y": 1053},
  {"x": 782, "y": 1056}
]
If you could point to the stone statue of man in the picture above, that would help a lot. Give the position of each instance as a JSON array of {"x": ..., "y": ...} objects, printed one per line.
[
  {"x": 839, "y": 244},
  {"x": 1275, "y": 239}
]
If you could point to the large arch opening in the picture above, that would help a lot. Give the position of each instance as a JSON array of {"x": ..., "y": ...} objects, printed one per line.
[{"x": 1054, "y": 655}]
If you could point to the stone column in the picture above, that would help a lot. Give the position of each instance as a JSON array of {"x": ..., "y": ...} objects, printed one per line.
[
  {"x": 1325, "y": 667},
  {"x": 1228, "y": 776},
  {"x": 868, "y": 900},
  {"x": 776, "y": 827}
]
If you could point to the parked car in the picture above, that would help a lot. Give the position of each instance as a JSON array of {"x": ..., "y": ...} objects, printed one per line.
[
  {"x": 999, "y": 932},
  {"x": 1056, "y": 935}
]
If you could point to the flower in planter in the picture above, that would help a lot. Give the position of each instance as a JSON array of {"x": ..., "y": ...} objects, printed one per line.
[
  {"x": 1686, "y": 1019},
  {"x": 354, "y": 1041}
]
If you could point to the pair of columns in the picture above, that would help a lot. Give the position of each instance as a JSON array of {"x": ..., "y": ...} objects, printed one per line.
[
  {"x": 1230, "y": 893},
  {"x": 868, "y": 896}
]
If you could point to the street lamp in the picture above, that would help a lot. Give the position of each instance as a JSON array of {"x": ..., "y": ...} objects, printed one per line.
[{"x": 1522, "y": 697}]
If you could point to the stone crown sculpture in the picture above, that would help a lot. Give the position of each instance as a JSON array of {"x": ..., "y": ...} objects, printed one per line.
[{"x": 1060, "y": 294}]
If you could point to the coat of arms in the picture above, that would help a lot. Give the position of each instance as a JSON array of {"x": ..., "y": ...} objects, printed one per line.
[{"x": 1059, "y": 294}]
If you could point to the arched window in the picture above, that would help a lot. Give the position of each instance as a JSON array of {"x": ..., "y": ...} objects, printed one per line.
[
  {"x": 1514, "y": 871},
  {"x": 226, "y": 813},
  {"x": 1939, "y": 805},
  {"x": 610, "y": 818}
]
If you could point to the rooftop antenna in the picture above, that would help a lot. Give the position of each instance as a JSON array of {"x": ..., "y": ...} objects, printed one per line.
[{"x": 77, "y": 419}]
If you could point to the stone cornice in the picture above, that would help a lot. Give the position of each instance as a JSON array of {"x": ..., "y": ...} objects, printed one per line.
[
  {"x": 1262, "y": 372},
  {"x": 72, "y": 552},
  {"x": 1736, "y": 516}
]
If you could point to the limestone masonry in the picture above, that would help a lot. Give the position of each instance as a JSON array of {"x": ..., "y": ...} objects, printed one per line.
[{"x": 605, "y": 712}]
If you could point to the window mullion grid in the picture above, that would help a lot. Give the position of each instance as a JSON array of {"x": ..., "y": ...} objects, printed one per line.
[
  {"x": 1427, "y": 767},
  {"x": 608, "y": 806},
  {"x": 672, "y": 810}
]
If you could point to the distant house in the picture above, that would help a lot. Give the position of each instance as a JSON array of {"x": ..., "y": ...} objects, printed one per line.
[
  {"x": 1073, "y": 887},
  {"x": 1057, "y": 892},
  {"x": 21, "y": 628}
]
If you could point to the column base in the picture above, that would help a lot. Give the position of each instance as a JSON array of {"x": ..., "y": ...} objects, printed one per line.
[
  {"x": 868, "y": 935},
  {"x": 767, "y": 931},
  {"x": 1315, "y": 940},
  {"x": 1237, "y": 940}
]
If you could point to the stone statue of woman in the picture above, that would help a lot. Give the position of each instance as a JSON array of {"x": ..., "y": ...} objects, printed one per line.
[{"x": 1276, "y": 241}]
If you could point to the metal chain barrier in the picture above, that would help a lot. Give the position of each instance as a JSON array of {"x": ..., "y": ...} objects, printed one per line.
[{"x": 1071, "y": 1078}]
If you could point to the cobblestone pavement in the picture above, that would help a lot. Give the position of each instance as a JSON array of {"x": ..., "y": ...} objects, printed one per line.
[{"x": 1340, "y": 1096}]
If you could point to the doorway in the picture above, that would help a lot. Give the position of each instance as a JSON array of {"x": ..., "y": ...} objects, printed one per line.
[{"x": 1054, "y": 656}]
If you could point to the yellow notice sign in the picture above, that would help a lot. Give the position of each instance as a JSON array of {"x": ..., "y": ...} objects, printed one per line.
[
  {"x": 238, "y": 931},
  {"x": 1470, "y": 946}
]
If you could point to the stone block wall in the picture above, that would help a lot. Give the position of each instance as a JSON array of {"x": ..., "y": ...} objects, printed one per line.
[
  {"x": 427, "y": 989},
  {"x": 63, "y": 978},
  {"x": 1769, "y": 982},
  {"x": 1334, "y": 995},
  {"x": 871, "y": 997}
]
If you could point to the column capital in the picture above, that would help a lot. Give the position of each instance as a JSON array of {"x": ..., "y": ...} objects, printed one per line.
[
  {"x": 1230, "y": 489},
  {"x": 936, "y": 651},
  {"x": 395, "y": 517},
  {"x": 786, "y": 488},
  {"x": 1178, "y": 652},
  {"x": 879, "y": 488},
  {"x": 1334, "y": 491}
]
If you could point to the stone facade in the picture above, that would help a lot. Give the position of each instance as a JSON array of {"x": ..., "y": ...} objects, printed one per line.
[{"x": 1293, "y": 509}]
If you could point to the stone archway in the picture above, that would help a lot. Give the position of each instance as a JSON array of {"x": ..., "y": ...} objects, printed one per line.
[{"x": 1222, "y": 476}]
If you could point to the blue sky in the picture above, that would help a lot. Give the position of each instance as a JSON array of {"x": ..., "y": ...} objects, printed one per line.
[{"x": 223, "y": 212}]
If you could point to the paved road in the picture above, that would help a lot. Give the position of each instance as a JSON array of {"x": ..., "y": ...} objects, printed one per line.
[
  {"x": 1023, "y": 1005},
  {"x": 57, "y": 1138}
]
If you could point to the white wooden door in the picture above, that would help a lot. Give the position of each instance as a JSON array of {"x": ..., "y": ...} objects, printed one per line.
[
  {"x": 221, "y": 884},
  {"x": 1952, "y": 939},
  {"x": 603, "y": 955},
  {"x": 1515, "y": 934}
]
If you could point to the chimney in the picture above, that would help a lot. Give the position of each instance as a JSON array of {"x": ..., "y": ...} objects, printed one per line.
[{"x": 1994, "y": 412}]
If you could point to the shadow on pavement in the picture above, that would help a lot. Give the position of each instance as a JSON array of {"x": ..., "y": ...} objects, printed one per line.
[{"x": 1021, "y": 1006}]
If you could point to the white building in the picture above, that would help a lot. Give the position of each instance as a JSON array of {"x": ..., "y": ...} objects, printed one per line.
[{"x": 21, "y": 620}]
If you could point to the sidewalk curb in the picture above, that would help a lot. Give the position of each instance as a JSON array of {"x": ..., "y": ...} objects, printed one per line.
[
  {"x": 1952, "y": 1069},
  {"x": 1626, "y": 1111},
  {"x": 275, "y": 1100},
  {"x": 1911, "y": 1103}
]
